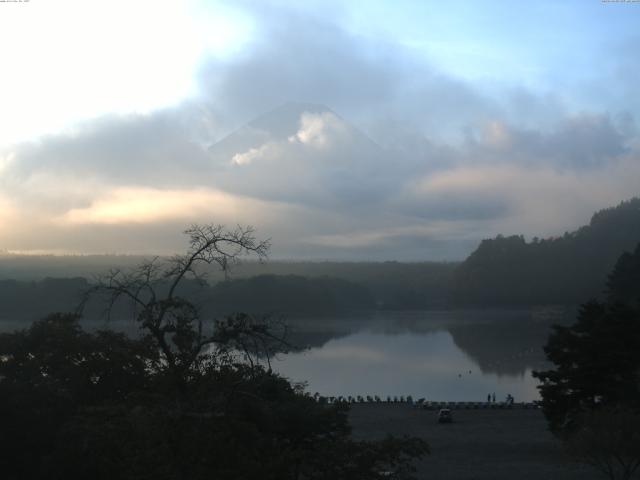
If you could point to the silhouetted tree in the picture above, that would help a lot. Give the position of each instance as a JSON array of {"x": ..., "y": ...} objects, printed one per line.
[
  {"x": 188, "y": 399},
  {"x": 623, "y": 285},
  {"x": 53, "y": 370},
  {"x": 597, "y": 364},
  {"x": 173, "y": 323},
  {"x": 592, "y": 397}
]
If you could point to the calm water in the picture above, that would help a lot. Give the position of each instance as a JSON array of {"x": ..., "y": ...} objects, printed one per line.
[
  {"x": 438, "y": 355},
  {"x": 447, "y": 356}
]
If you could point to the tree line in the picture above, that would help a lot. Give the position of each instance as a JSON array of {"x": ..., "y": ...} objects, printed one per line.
[{"x": 561, "y": 270}]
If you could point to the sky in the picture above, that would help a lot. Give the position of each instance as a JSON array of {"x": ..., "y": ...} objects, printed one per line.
[{"x": 383, "y": 130}]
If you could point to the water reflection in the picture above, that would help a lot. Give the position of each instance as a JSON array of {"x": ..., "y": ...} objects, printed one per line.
[
  {"x": 452, "y": 355},
  {"x": 459, "y": 355}
]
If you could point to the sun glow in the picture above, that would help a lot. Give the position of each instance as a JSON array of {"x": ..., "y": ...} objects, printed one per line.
[
  {"x": 148, "y": 205},
  {"x": 70, "y": 60}
]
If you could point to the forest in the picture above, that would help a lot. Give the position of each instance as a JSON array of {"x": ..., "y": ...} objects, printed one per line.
[{"x": 509, "y": 270}]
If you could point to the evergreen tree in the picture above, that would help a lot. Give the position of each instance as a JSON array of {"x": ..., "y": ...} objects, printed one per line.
[{"x": 597, "y": 359}]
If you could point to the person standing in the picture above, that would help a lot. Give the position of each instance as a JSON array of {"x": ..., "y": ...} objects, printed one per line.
[{"x": 493, "y": 400}]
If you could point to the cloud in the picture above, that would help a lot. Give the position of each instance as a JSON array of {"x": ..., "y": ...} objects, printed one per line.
[
  {"x": 388, "y": 88},
  {"x": 8, "y": 214},
  {"x": 313, "y": 182},
  {"x": 298, "y": 58},
  {"x": 535, "y": 201},
  {"x": 317, "y": 130},
  {"x": 6, "y": 161},
  {"x": 582, "y": 141},
  {"x": 394, "y": 159},
  {"x": 372, "y": 238},
  {"x": 148, "y": 205},
  {"x": 156, "y": 148},
  {"x": 250, "y": 155}
]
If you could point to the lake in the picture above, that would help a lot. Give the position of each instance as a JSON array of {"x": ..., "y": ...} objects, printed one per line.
[
  {"x": 451, "y": 355},
  {"x": 459, "y": 355}
]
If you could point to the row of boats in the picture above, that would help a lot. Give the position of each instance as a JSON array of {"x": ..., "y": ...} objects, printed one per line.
[{"x": 423, "y": 403}]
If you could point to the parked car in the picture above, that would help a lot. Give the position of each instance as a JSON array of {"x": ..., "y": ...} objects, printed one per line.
[{"x": 444, "y": 416}]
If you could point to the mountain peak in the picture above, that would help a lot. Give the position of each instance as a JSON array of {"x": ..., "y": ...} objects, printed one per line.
[
  {"x": 283, "y": 121},
  {"x": 300, "y": 107}
]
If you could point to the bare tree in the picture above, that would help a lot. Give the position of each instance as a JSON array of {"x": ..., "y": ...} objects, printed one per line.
[{"x": 173, "y": 322}]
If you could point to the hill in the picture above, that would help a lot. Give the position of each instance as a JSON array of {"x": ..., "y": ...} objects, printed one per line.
[
  {"x": 289, "y": 293},
  {"x": 562, "y": 270}
]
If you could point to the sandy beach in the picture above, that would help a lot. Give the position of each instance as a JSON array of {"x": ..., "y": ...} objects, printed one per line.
[{"x": 491, "y": 444}]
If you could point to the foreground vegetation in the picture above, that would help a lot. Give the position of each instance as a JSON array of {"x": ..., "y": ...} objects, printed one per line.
[
  {"x": 591, "y": 397},
  {"x": 190, "y": 398}
]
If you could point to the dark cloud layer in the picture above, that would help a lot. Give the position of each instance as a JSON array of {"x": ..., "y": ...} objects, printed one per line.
[{"x": 582, "y": 141}]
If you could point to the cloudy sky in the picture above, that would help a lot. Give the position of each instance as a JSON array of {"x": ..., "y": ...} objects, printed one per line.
[{"x": 405, "y": 129}]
